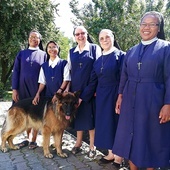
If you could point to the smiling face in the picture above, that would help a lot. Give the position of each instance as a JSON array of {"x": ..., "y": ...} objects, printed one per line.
[
  {"x": 34, "y": 39},
  {"x": 106, "y": 40},
  {"x": 149, "y": 27},
  {"x": 80, "y": 34},
  {"x": 52, "y": 50}
]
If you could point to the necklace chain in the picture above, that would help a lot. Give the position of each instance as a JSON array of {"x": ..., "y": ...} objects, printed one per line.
[
  {"x": 32, "y": 58},
  {"x": 103, "y": 63}
]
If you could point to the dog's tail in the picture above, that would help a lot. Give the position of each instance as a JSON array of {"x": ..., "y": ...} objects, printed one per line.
[
  {"x": 45, "y": 109},
  {"x": 3, "y": 127}
]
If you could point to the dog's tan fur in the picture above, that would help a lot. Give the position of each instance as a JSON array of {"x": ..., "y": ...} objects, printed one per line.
[{"x": 53, "y": 122}]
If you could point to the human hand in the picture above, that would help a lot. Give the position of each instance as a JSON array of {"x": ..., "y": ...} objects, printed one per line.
[
  {"x": 118, "y": 104},
  {"x": 15, "y": 95},
  {"x": 54, "y": 99},
  {"x": 79, "y": 102},
  {"x": 164, "y": 114},
  {"x": 36, "y": 99},
  {"x": 59, "y": 91}
]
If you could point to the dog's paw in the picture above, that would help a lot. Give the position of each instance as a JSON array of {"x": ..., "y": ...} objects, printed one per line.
[
  {"x": 49, "y": 155},
  {"x": 62, "y": 155},
  {"x": 4, "y": 150},
  {"x": 16, "y": 147}
]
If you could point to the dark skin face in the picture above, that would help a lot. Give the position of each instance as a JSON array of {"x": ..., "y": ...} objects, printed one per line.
[{"x": 151, "y": 30}]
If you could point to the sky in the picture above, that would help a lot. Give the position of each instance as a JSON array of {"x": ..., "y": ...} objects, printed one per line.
[{"x": 65, "y": 15}]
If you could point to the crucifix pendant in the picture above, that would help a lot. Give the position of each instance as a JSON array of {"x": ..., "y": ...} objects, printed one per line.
[
  {"x": 139, "y": 65},
  {"x": 52, "y": 78},
  {"x": 80, "y": 64},
  {"x": 101, "y": 69},
  {"x": 31, "y": 62}
]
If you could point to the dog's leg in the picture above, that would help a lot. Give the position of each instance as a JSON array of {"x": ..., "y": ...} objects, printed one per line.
[
  {"x": 58, "y": 144},
  {"x": 7, "y": 136},
  {"x": 10, "y": 142},
  {"x": 3, "y": 143},
  {"x": 14, "y": 124},
  {"x": 46, "y": 132},
  {"x": 3, "y": 138}
]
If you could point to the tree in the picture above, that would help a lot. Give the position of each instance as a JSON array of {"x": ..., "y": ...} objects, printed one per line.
[
  {"x": 121, "y": 16},
  {"x": 64, "y": 43},
  {"x": 167, "y": 20},
  {"x": 18, "y": 18}
]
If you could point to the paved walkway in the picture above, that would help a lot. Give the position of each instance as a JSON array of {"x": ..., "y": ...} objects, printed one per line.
[{"x": 25, "y": 159}]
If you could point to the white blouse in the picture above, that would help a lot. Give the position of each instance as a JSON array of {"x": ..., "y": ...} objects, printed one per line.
[{"x": 66, "y": 75}]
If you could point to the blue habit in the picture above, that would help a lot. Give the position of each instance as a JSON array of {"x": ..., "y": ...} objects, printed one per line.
[
  {"x": 105, "y": 81},
  {"x": 145, "y": 88},
  {"x": 82, "y": 65},
  {"x": 26, "y": 72}
]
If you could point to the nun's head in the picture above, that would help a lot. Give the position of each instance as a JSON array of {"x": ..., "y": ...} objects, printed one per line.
[
  {"x": 35, "y": 39},
  {"x": 151, "y": 26},
  {"x": 107, "y": 40}
]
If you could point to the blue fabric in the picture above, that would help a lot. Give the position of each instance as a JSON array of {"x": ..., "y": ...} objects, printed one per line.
[
  {"x": 140, "y": 137},
  {"x": 26, "y": 72},
  {"x": 54, "y": 77},
  {"x": 105, "y": 82},
  {"x": 82, "y": 65}
]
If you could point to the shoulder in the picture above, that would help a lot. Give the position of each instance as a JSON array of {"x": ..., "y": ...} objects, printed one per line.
[
  {"x": 98, "y": 60},
  {"x": 22, "y": 52},
  {"x": 119, "y": 52},
  {"x": 133, "y": 48},
  {"x": 162, "y": 46},
  {"x": 94, "y": 45},
  {"x": 95, "y": 49},
  {"x": 163, "y": 42},
  {"x": 41, "y": 51},
  {"x": 72, "y": 49},
  {"x": 45, "y": 64},
  {"x": 63, "y": 60}
]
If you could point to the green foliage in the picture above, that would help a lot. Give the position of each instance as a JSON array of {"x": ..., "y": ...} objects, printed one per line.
[
  {"x": 64, "y": 44},
  {"x": 167, "y": 20},
  {"x": 18, "y": 18},
  {"x": 121, "y": 16}
]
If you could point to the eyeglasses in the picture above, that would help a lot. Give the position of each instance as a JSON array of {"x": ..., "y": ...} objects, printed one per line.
[
  {"x": 36, "y": 38},
  {"x": 52, "y": 47},
  {"x": 81, "y": 33},
  {"x": 151, "y": 25}
]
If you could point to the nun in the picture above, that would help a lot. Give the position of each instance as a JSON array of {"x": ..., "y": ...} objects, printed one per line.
[
  {"x": 143, "y": 103},
  {"x": 105, "y": 79}
]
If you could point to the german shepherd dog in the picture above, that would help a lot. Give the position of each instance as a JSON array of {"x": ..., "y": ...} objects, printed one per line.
[{"x": 50, "y": 118}]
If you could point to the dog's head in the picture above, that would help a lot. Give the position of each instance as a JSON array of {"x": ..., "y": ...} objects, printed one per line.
[{"x": 68, "y": 103}]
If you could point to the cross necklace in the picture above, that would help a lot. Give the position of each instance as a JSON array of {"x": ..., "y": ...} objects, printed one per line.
[
  {"x": 103, "y": 63},
  {"x": 139, "y": 65},
  {"x": 31, "y": 58},
  {"x": 52, "y": 73},
  {"x": 52, "y": 78},
  {"x": 142, "y": 50},
  {"x": 80, "y": 62}
]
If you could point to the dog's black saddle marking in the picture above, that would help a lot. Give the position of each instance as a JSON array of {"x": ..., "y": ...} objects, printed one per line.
[{"x": 34, "y": 111}]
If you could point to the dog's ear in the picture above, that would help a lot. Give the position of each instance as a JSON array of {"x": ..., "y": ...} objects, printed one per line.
[
  {"x": 59, "y": 96},
  {"x": 77, "y": 93}
]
